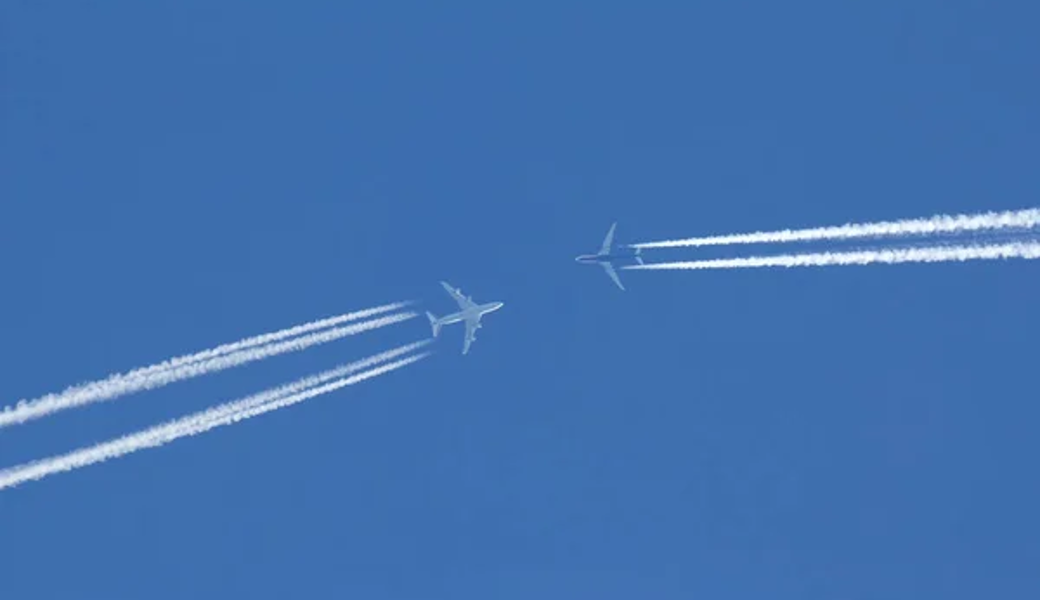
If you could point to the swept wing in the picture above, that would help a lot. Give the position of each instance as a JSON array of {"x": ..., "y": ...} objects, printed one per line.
[
  {"x": 456, "y": 294},
  {"x": 472, "y": 324},
  {"x": 608, "y": 241},
  {"x": 609, "y": 268}
]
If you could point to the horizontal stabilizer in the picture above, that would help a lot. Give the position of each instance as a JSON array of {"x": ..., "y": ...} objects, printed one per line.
[{"x": 435, "y": 325}]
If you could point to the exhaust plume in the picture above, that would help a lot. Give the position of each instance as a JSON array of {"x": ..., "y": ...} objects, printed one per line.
[
  {"x": 266, "y": 338},
  {"x": 115, "y": 387},
  {"x": 1018, "y": 219},
  {"x": 225, "y": 414},
  {"x": 1030, "y": 250}
]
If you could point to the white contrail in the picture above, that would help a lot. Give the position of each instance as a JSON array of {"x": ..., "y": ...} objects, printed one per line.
[
  {"x": 243, "y": 344},
  {"x": 1018, "y": 219},
  {"x": 225, "y": 414},
  {"x": 113, "y": 388},
  {"x": 1030, "y": 250},
  {"x": 266, "y": 338}
]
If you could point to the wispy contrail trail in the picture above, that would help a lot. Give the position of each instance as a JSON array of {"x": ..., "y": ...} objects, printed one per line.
[
  {"x": 225, "y": 414},
  {"x": 1018, "y": 219},
  {"x": 1027, "y": 250},
  {"x": 120, "y": 386},
  {"x": 216, "y": 351},
  {"x": 266, "y": 338}
]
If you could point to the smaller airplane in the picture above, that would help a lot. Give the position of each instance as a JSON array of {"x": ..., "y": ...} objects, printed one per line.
[
  {"x": 469, "y": 312},
  {"x": 606, "y": 257}
]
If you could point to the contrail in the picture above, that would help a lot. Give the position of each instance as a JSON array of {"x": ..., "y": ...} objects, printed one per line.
[
  {"x": 266, "y": 338},
  {"x": 120, "y": 386},
  {"x": 1030, "y": 250},
  {"x": 1018, "y": 219},
  {"x": 243, "y": 344},
  {"x": 225, "y": 414}
]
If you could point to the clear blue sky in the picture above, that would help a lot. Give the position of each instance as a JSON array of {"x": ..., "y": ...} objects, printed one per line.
[{"x": 174, "y": 175}]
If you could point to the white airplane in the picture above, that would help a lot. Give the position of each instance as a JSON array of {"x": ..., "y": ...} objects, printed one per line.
[
  {"x": 469, "y": 311},
  {"x": 607, "y": 256}
]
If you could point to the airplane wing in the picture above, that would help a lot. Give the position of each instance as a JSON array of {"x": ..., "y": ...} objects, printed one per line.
[
  {"x": 456, "y": 295},
  {"x": 608, "y": 241},
  {"x": 609, "y": 268},
  {"x": 471, "y": 330}
]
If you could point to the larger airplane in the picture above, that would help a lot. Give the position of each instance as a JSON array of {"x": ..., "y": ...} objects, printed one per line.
[
  {"x": 469, "y": 312},
  {"x": 607, "y": 256}
]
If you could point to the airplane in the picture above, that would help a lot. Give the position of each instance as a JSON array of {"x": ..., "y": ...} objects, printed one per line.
[
  {"x": 606, "y": 258},
  {"x": 469, "y": 312}
]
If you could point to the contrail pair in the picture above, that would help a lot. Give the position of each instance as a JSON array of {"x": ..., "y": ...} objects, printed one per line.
[
  {"x": 939, "y": 224},
  {"x": 1022, "y": 220},
  {"x": 1027, "y": 250},
  {"x": 207, "y": 361},
  {"x": 224, "y": 414}
]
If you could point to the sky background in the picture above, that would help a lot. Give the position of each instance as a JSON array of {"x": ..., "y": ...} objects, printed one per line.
[{"x": 175, "y": 175}]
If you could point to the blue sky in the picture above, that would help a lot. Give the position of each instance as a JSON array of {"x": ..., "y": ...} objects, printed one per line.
[{"x": 175, "y": 175}]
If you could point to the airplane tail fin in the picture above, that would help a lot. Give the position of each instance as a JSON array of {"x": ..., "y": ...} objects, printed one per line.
[
  {"x": 434, "y": 323},
  {"x": 639, "y": 255}
]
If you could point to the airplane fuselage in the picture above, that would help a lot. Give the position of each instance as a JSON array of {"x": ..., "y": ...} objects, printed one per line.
[
  {"x": 605, "y": 258},
  {"x": 477, "y": 311}
]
